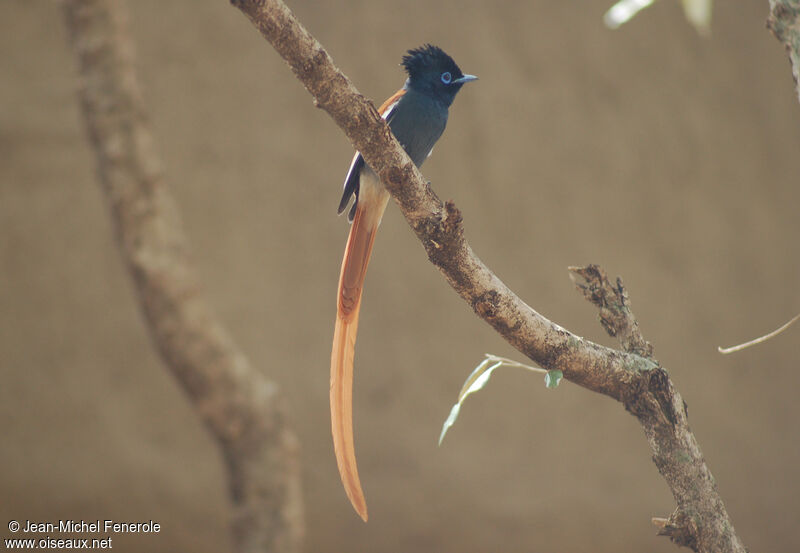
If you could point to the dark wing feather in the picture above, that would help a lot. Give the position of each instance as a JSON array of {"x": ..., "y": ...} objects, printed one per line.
[
  {"x": 351, "y": 185},
  {"x": 387, "y": 109}
]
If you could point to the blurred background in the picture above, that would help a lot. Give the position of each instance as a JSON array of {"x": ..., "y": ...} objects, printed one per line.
[{"x": 668, "y": 158}]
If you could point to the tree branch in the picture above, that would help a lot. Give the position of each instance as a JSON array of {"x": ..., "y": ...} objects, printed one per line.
[
  {"x": 615, "y": 309},
  {"x": 239, "y": 406},
  {"x": 784, "y": 22},
  {"x": 664, "y": 417},
  {"x": 700, "y": 521}
]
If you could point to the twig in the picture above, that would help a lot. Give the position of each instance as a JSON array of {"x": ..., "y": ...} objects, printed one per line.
[
  {"x": 644, "y": 388},
  {"x": 615, "y": 309},
  {"x": 764, "y": 338},
  {"x": 680, "y": 528},
  {"x": 240, "y": 407}
]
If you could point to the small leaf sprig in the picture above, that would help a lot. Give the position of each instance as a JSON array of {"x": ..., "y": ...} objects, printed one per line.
[{"x": 480, "y": 377}]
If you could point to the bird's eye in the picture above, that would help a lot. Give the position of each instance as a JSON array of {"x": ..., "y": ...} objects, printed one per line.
[{"x": 446, "y": 77}]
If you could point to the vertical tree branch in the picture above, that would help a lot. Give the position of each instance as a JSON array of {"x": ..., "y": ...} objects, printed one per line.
[
  {"x": 784, "y": 22},
  {"x": 700, "y": 521},
  {"x": 242, "y": 409}
]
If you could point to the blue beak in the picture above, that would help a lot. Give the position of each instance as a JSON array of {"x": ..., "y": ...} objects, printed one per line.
[{"x": 465, "y": 79}]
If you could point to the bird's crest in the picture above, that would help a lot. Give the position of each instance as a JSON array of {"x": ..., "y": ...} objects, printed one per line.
[{"x": 429, "y": 58}]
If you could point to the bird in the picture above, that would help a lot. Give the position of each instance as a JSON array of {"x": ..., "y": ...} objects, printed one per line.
[{"x": 417, "y": 116}]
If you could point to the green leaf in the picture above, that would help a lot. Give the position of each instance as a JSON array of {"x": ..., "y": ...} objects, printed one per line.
[
  {"x": 623, "y": 11},
  {"x": 479, "y": 378},
  {"x": 553, "y": 378},
  {"x": 475, "y": 381},
  {"x": 697, "y": 12},
  {"x": 451, "y": 419}
]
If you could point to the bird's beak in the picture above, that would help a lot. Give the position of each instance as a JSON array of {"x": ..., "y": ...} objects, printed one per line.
[{"x": 465, "y": 79}]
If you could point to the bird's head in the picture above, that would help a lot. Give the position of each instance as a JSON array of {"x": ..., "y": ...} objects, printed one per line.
[{"x": 431, "y": 71}]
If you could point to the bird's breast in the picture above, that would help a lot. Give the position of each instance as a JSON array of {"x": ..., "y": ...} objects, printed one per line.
[{"x": 418, "y": 124}]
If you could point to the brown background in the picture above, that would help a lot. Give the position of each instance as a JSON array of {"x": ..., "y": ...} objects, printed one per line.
[{"x": 670, "y": 159}]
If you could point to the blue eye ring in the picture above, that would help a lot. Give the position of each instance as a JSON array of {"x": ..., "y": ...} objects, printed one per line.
[{"x": 447, "y": 77}]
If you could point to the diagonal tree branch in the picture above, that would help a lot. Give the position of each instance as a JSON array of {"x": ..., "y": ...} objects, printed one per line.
[
  {"x": 437, "y": 225},
  {"x": 700, "y": 520},
  {"x": 240, "y": 407}
]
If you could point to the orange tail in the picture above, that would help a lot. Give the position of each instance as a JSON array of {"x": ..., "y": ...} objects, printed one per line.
[{"x": 351, "y": 283}]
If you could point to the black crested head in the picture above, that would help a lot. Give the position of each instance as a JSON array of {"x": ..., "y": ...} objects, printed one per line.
[
  {"x": 431, "y": 71},
  {"x": 428, "y": 58}
]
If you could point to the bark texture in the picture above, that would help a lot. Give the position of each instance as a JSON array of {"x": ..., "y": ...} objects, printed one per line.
[
  {"x": 700, "y": 520},
  {"x": 784, "y": 22},
  {"x": 241, "y": 408}
]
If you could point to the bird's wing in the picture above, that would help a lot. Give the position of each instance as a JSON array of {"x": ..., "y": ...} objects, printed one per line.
[{"x": 387, "y": 111}]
